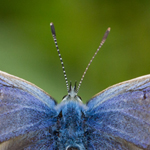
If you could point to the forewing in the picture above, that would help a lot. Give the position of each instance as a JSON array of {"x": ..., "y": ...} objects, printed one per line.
[
  {"x": 36, "y": 140},
  {"x": 122, "y": 113},
  {"x": 23, "y": 107}
]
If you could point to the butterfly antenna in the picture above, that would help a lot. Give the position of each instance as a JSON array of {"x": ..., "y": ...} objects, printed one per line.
[
  {"x": 55, "y": 40},
  {"x": 102, "y": 42}
]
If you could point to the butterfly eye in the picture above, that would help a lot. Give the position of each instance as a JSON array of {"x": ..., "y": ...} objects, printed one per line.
[
  {"x": 79, "y": 97},
  {"x": 64, "y": 97}
]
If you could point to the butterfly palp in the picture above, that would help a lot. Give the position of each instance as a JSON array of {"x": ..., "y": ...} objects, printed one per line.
[{"x": 72, "y": 94}]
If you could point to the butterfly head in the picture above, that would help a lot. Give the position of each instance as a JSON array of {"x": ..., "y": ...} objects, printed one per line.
[
  {"x": 72, "y": 91},
  {"x": 72, "y": 94}
]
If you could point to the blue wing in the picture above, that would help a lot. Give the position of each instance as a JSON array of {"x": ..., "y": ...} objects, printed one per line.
[
  {"x": 37, "y": 140},
  {"x": 119, "y": 117},
  {"x": 25, "y": 110}
]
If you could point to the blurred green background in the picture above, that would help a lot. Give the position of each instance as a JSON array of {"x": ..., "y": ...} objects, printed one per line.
[{"x": 27, "y": 49}]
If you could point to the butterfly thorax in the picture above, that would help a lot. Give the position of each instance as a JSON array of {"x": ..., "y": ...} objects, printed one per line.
[{"x": 70, "y": 128}]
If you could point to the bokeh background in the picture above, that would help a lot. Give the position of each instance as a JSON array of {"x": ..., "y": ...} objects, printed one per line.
[{"x": 27, "y": 49}]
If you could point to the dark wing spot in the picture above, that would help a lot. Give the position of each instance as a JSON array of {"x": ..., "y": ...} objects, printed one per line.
[{"x": 144, "y": 95}]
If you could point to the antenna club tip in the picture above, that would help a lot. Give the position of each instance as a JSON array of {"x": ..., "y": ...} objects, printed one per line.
[
  {"x": 51, "y": 24},
  {"x": 52, "y": 29},
  {"x": 109, "y": 29}
]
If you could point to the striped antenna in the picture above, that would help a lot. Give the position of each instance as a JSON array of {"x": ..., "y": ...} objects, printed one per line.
[
  {"x": 55, "y": 40},
  {"x": 102, "y": 42}
]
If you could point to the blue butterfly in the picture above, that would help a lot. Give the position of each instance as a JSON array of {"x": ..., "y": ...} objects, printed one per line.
[{"x": 117, "y": 118}]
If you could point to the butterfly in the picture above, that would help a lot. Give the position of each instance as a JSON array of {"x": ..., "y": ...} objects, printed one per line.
[{"x": 117, "y": 118}]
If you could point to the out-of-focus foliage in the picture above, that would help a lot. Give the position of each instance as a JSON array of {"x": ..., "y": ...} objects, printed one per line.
[{"x": 27, "y": 49}]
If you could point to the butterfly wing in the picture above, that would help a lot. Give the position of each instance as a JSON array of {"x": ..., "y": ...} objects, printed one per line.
[
  {"x": 25, "y": 110},
  {"x": 35, "y": 140},
  {"x": 119, "y": 117}
]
